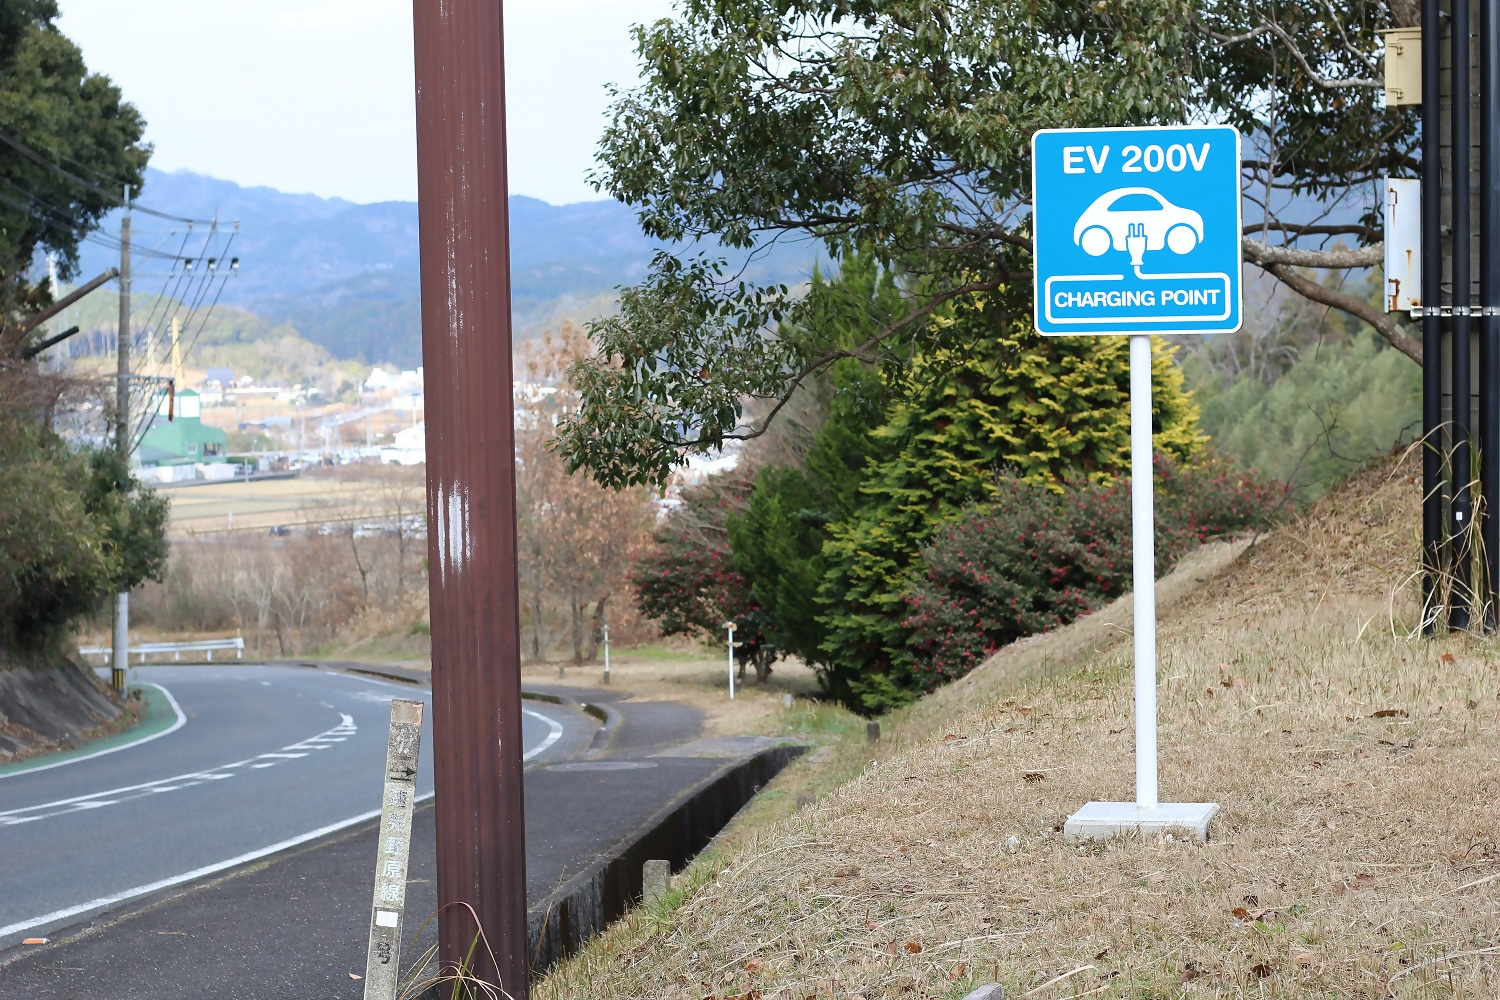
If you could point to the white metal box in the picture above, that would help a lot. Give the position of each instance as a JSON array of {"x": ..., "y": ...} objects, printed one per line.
[{"x": 1403, "y": 244}]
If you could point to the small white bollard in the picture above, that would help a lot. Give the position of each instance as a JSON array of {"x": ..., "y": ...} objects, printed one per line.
[
  {"x": 606, "y": 653},
  {"x": 383, "y": 962},
  {"x": 730, "y": 627}
]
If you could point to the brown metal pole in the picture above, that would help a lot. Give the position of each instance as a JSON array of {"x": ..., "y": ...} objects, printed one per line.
[{"x": 466, "y": 350}]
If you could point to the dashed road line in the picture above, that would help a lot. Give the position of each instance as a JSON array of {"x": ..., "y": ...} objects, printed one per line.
[{"x": 114, "y": 796}]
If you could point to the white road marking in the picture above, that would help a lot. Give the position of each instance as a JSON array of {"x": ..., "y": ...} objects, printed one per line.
[
  {"x": 98, "y": 800},
  {"x": 555, "y": 729},
  {"x": 347, "y": 726},
  {"x": 552, "y": 737},
  {"x": 181, "y": 721},
  {"x": 196, "y": 873}
]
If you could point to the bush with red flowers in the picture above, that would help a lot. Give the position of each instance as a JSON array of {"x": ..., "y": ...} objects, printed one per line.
[{"x": 1036, "y": 557}]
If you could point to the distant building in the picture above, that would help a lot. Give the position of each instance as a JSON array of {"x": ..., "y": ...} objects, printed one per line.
[
  {"x": 183, "y": 441},
  {"x": 379, "y": 380},
  {"x": 408, "y": 448},
  {"x": 218, "y": 378}
]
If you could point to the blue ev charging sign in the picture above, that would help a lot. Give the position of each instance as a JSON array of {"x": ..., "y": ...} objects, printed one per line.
[{"x": 1137, "y": 230}]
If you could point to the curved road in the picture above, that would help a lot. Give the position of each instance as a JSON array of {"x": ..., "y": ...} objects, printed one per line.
[{"x": 267, "y": 757}]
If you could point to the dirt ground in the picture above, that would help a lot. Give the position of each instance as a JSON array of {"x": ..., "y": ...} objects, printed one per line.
[{"x": 1355, "y": 855}]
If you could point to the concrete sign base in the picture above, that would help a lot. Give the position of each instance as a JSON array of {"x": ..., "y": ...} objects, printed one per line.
[{"x": 1102, "y": 820}]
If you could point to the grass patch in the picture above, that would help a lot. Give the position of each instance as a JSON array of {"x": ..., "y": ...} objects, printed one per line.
[{"x": 1356, "y": 854}]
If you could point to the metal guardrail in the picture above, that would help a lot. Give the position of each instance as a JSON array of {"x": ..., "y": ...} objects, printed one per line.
[{"x": 175, "y": 648}]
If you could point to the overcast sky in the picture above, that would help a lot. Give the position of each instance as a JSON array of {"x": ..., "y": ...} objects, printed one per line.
[{"x": 316, "y": 95}]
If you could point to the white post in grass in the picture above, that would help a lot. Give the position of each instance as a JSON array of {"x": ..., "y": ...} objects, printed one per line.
[
  {"x": 393, "y": 852},
  {"x": 606, "y": 652},
  {"x": 1143, "y": 569},
  {"x": 730, "y": 627},
  {"x": 1183, "y": 277}
]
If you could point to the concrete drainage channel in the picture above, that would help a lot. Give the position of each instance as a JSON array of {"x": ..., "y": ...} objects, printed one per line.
[{"x": 593, "y": 900}]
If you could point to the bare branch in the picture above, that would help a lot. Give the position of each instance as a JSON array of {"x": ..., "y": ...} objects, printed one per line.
[
  {"x": 1297, "y": 229},
  {"x": 863, "y": 351},
  {"x": 1326, "y": 82},
  {"x": 1235, "y": 39},
  {"x": 1392, "y": 329},
  {"x": 1266, "y": 254}
]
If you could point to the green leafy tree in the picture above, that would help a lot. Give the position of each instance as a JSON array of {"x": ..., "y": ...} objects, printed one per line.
[
  {"x": 75, "y": 527},
  {"x": 130, "y": 520},
  {"x": 778, "y": 539},
  {"x": 72, "y": 119},
  {"x": 1039, "y": 409},
  {"x": 686, "y": 579},
  {"x": 904, "y": 126}
]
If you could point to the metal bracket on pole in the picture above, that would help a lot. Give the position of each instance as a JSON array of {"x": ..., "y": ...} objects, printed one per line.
[{"x": 383, "y": 962}]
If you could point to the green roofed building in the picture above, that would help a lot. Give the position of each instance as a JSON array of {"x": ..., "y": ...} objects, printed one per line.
[{"x": 184, "y": 440}]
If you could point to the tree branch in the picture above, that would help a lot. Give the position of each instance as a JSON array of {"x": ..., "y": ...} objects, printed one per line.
[
  {"x": 1266, "y": 254},
  {"x": 862, "y": 352},
  {"x": 1393, "y": 330},
  {"x": 1297, "y": 229},
  {"x": 1326, "y": 82}
]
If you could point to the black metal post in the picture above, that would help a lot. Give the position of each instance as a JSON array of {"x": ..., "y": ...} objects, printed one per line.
[
  {"x": 1462, "y": 508},
  {"x": 1489, "y": 299},
  {"x": 1432, "y": 317}
]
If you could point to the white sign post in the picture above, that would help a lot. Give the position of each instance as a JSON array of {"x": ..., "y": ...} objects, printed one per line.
[
  {"x": 1137, "y": 231},
  {"x": 606, "y": 652},
  {"x": 729, "y": 626}
]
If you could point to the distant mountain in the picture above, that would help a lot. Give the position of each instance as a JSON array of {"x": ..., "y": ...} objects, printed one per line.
[{"x": 346, "y": 274}]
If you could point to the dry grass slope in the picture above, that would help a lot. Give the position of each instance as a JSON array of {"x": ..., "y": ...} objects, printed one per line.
[{"x": 1355, "y": 856}]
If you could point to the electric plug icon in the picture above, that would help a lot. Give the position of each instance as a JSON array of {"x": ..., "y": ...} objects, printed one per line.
[{"x": 1135, "y": 242}]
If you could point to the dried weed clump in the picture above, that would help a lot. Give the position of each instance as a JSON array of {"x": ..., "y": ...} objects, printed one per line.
[{"x": 1356, "y": 854}]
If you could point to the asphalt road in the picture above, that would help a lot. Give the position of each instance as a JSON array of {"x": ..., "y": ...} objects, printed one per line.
[{"x": 268, "y": 757}]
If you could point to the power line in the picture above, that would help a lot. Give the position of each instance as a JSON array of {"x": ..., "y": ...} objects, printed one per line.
[
  {"x": 90, "y": 235},
  {"x": 224, "y": 280},
  {"x": 114, "y": 199}
]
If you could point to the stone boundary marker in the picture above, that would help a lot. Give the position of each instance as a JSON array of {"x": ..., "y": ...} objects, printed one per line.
[{"x": 393, "y": 850}]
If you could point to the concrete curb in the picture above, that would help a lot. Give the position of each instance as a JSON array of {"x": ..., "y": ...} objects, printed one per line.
[
  {"x": 609, "y": 718},
  {"x": 592, "y": 900}
]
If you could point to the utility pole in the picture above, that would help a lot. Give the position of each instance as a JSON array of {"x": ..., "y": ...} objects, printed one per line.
[
  {"x": 1460, "y": 311},
  {"x": 177, "y": 378},
  {"x": 463, "y": 227},
  {"x": 121, "y": 651},
  {"x": 55, "y": 362}
]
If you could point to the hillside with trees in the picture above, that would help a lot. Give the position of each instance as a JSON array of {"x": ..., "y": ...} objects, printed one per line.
[
  {"x": 345, "y": 274},
  {"x": 898, "y": 136},
  {"x": 75, "y": 526}
]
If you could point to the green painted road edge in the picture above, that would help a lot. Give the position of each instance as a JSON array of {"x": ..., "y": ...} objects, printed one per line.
[{"x": 160, "y": 716}]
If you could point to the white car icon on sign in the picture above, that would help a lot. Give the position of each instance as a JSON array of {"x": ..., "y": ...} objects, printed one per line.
[{"x": 1136, "y": 219}]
